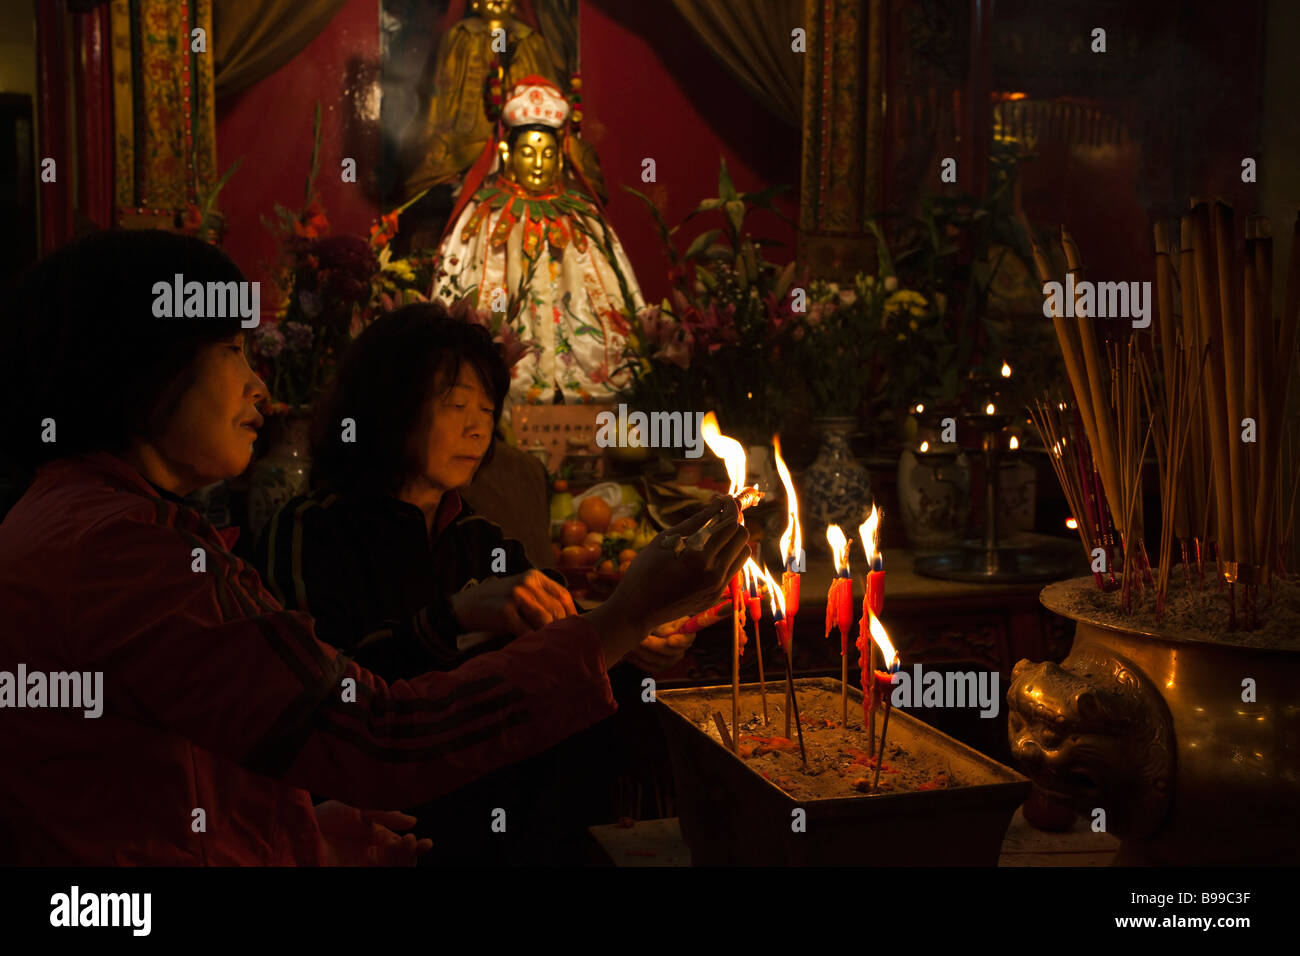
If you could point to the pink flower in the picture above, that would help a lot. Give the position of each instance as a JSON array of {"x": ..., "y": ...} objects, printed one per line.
[
  {"x": 677, "y": 352},
  {"x": 513, "y": 348},
  {"x": 657, "y": 328}
]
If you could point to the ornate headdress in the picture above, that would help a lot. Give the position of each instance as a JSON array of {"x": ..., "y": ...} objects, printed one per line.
[{"x": 534, "y": 101}]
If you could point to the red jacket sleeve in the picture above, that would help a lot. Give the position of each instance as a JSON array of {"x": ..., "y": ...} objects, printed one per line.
[{"x": 193, "y": 644}]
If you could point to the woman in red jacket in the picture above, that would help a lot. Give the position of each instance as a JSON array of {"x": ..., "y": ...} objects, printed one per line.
[{"x": 219, "y": 712}]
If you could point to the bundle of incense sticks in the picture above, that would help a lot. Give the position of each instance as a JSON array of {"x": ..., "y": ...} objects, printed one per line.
[
  {"x": 1072, "y": 463},
  {"x": 1207, "y": 389}
]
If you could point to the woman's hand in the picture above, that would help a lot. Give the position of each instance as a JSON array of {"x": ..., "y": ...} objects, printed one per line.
[
  {"x": 661, "y": 585},
  {"x": 656, "y": 654},
  {"x": 355, "y": 837},
  {"x": 519, "y": 604}
]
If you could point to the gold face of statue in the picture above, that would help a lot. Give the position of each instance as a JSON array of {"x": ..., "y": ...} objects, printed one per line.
[{"x": 534, "y": 163}]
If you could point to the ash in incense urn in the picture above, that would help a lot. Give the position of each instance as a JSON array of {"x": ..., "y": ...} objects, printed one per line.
[{"x": 1185, "y": 733}]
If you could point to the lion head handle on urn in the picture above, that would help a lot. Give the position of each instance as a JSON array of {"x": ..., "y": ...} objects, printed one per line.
[{"x": 1091, "y": 730}]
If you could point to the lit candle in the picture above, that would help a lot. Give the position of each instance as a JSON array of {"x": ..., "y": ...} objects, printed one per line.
[
  {"x": 754, "y": 606},
  {"x": 839, "y": 610},
  {"x": 783, "y": 624},
  {"x": 881, "y": 684},
  {"x": 733, "y": 455},
  {"x": 792, "y": 556},
  {"x": 873, "y": 602},
  {"x": 869, "y": 533}
]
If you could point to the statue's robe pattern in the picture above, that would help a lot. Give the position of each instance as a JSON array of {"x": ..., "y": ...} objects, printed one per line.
[{"x": 550, "y": 253}]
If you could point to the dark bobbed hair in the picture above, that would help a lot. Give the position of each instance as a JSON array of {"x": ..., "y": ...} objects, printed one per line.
[
  {"x": 384, "y": 379},
  {"x": 82, "y": 345}
]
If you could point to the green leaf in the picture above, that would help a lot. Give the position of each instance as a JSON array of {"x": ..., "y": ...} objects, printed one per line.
[
  {"x": 701, "y": 243},
  {"x": 884, "y": 263},
  {"x": 736, "y": 213},
  {"x": 763, "y": 198},
  {"x": 725, "y": 189},
  {"x": 665, "y": 235},
  {"x": 783, "y": 281}
]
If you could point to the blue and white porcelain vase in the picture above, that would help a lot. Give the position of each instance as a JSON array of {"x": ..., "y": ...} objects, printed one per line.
[
  {"x": 933, "y": 491},
  {"x": 835, "y": 488}
]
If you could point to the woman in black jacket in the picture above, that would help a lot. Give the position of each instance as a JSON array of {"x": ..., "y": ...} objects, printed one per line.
[{"x": 384, "y": 553}]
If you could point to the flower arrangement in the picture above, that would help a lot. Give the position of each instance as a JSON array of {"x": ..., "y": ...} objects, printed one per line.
[
  {"x": 712, "y": 343},
  {"x": 332, "y": 286},
  {"x": 202, "y": 218},
  {"x": 857, "y": 346}
]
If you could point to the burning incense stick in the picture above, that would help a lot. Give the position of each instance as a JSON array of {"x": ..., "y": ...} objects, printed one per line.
[
  {"x": 880, "y": 759},
  {"x": 754, "y": 606},
  {"x": 784, "y": 627},
  {"x": 880, "y": 642}
]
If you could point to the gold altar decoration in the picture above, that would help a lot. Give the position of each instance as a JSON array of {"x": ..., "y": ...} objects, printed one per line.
[
  {"x": 165, "y": 151},
  {"x": 843, "y": 129},
  {"x": 457, "y": 128}
]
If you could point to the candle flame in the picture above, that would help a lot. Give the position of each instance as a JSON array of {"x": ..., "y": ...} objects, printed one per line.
[
  {"x": 869, "y": 535},
  {"x": 775, "y": 593},
  {"x": 729, "y": 450},
  {"x": 920, "y": 407},
  {"x": 1015, "y": 442},
  {"x": 792, "y": 539},
  {"x": 753, "y": 575},
  {"x": 1006, "y": 370},
  {"x": 882, "y": 641},
  {"x": 990, "y": 409},
  {"x": 1072, "y": 524},
  {"x": 839, "y": 549},
  {"x": 925, "y": 446}
]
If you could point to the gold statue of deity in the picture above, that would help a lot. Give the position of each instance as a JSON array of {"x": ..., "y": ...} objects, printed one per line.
[
  {"x": 528, "y": 240},
  {"x": 457, "y": 127}
]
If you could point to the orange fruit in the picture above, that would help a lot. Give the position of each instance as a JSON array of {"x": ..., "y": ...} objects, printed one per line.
[
  {"x": 622, "y": 525},
  {"x": 626, "y": 555},
  {"x": 573, "y": 532},
  {"x": 594, "y": 513},
  {"x": 606, "y": 567},
  {"x": 622, "y": 568},
  {"x": 572, "y": 557}
]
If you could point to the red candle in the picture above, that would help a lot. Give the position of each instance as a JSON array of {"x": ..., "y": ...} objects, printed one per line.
[
  {"x": 876, "y": 588},
  {"x": 869, "y": 533},
  {"x": 790, "y": 588},
  {"x": 839, "y": 610},
  {"x": 863, "y": 644},
  {"x": 738, "y": 602}
]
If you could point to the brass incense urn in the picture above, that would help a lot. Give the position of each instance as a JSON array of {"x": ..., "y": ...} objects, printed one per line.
[{"x": 1186, "y": 748}]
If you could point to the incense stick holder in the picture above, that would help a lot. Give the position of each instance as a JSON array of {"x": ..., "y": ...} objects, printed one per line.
[
  {"x": 1189, "y": 747},
  {"x": 732, "y": 815}
]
